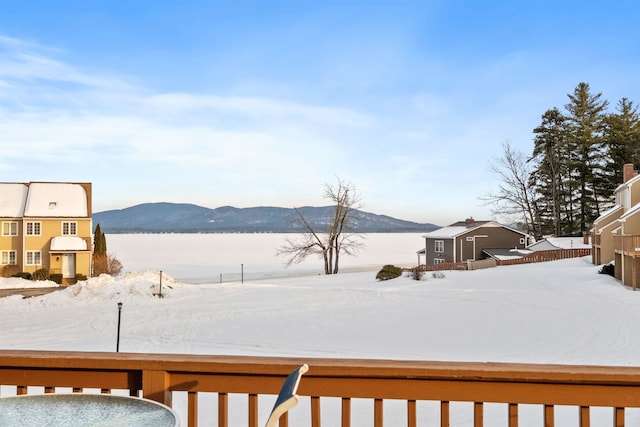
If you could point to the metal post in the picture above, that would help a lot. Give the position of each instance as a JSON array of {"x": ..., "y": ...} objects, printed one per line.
[
  {"x": 118, "y": 336},
  {"x": 241, "y": 273},
  {"x": 160, "y": 292}
]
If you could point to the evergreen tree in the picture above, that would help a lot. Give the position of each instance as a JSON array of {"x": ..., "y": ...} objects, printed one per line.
[
  {"x": 99, "y": 252},
  {"x": 99, "y": 242},
  {"x": 550, "y": 172},
  {"x": 622, "y": 134},
  {"x": 587, "y": 163}
]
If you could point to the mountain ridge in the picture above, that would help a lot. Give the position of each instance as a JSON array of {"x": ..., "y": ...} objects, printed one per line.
[{"x": 166, "y": 217}]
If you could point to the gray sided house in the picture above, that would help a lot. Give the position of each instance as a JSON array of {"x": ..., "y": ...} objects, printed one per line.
[{"x": 465, "y": 241}]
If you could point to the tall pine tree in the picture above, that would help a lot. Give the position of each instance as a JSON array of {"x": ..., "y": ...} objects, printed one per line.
[
  {"x": 587, "y": 163},
  {"x": 622, "y": 134}
]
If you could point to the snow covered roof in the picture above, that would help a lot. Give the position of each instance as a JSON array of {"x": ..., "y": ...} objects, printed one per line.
[
  {"x": 550, "y": 243},
  {"x": 507, "y": 254},
  {"x": 458, "y": 228},
  {"x": 446, "y": 232},
  {"x": 630, "y": 212},
  {"x": 12, "y": 199},
  {"x": 68, "y": 243},
  {"x": 608, "y": 212},
  {"x": 54, "y": 199}
]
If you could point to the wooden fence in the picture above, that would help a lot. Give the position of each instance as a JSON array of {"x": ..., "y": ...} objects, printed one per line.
[
  {"x": 545, "y": 256},
  {"x": 163, "y": 377},
  {"x": 538, "y": 256}
]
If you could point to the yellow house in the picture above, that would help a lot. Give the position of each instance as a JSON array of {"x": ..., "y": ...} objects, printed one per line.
[{"x": 46, "y": 225}]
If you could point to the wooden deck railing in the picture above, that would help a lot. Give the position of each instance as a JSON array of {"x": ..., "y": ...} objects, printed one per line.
[
  {"x": 161, "y": 376},
  {"x": 627, "y": 245}
]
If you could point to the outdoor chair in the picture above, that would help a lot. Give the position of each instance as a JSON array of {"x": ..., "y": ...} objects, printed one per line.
[{"x": 287, "y": 398}]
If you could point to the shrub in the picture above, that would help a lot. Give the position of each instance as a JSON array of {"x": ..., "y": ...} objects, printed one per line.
[
  {"x": 23, "y": 275},
  {"x": 438, "y": 275},
  {"x": 56, "y": 277},
  {"x": 106, "y": 264},
  {"x": 80, "y": 277},
  {"x": 607, "y": 269},
  {"x": 389, "y": 272},
  {"x": 9, "y": 270},
  {"x": 40, "y": 274},
  {"x": 416, "y": 274}
]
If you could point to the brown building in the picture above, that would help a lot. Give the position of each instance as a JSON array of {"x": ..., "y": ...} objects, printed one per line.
[{"x": 465, "y": 241}]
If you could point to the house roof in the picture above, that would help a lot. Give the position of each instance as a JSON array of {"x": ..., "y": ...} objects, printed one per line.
[
  {"x": 627, "y": 184},
  {"x": 12, "y": 199},
  {"x": 505, "y": 254},
  {"x": 458, "y": 228},
  {"x": 559, "y": 243},
  {"x": 608, "y": 212},
  {"x": 55, "y": 199},
  {"x": 68, "y": 243}
]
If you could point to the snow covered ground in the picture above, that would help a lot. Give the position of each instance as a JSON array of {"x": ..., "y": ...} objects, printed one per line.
[{"x": 557, "y": 312}]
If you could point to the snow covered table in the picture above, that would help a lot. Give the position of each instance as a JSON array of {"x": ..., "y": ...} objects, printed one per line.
[{"x": 84, "y": 410}]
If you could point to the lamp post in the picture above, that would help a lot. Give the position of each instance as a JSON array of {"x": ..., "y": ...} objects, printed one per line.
[{"x": 118, "y": 336}]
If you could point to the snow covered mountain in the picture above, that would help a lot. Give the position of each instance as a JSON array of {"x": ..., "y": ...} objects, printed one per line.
[{"x": 189, "y": 218}]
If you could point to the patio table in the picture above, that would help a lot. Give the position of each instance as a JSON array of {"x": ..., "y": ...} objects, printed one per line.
[{"x": 84, "y": 410}]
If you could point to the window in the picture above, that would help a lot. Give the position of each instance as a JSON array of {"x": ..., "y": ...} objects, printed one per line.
[
  {"x": 8, "y": 257},
  {"x": 470, "y": 239},
  {"x": 10, "y": 228},
  {"x": 522, "y": 241},
  {"x": 439, "y": 246},
  {"x": 437, "y": 261},
  {"x": 34, "y": 258},
  {"x": 69, "y": 228},
  {"x": 33, "y": 229}
]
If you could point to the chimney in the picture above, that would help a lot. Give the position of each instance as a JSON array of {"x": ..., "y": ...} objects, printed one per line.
[
  {"x": 628, "y": 172},
  {"x": 469, "y": 220}
]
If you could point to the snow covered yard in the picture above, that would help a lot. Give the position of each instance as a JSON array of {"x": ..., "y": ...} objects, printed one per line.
[{"x": 558, "y": 312}]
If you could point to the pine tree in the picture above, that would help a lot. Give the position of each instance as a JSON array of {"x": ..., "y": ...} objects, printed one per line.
[
  {"x": 99, "y": 252},
  {"x": 550, "y": 172},
  {"x": 587, "y": 163},
  {"x": 622, "y": 134},
  {"x": 99, "y": 242}
]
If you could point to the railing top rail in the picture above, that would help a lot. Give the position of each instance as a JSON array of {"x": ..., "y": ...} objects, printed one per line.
[{"x": 323, "y": 367}]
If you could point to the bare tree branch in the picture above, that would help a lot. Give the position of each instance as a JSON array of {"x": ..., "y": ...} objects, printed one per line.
[{"x": 333, "y": 241}]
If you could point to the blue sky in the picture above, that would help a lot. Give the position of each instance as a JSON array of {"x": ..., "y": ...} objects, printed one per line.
[{"x": 256, "y": 103}]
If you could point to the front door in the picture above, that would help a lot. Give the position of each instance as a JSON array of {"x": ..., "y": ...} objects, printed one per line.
[{"x": 68, "y": 266}]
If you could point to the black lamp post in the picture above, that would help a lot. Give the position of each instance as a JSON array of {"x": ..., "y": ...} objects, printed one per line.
[{"x": 118, "y": 336}]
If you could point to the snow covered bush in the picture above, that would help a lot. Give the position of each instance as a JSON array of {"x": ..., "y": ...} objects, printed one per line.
[
  {"x": 438, "y": 275},
  {"x": 40, "y": 274},
  {"x": 416, "y": 274},
  {"x": 389, "y": 272}
]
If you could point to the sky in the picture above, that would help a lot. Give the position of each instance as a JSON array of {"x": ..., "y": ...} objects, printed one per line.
[{"x": 253, "y": 103}]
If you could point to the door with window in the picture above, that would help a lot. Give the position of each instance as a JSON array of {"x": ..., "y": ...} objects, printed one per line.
[{"x": 68, "y": 266}]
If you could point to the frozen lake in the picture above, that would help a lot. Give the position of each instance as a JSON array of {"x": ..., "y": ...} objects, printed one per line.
[{"x": 212, "y": 258}]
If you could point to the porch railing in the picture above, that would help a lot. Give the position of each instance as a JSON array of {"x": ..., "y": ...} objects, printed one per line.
[
  {"x": 162, "y": 376},
  {"x": 627, "y": 245}
]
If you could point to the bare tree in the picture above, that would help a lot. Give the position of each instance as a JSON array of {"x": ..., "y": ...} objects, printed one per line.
[
  {"x": 335, "y": 238},
  {"x": 515, "y": 195}
]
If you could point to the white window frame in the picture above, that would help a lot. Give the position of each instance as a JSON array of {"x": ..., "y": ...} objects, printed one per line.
[
  {"x": 522, "y": 241},
  {"x": 438, "y": 246},
  {"x": 69, "y": 228},
  {"x": 8, "y": 257},
  {"x": 437, "y": 261},
  {"x": 470, "y": 238},
  {"x": 10, "y": 228},
  {"x": 33, "y": 258},
  {"x": 33, "y": 228}
]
